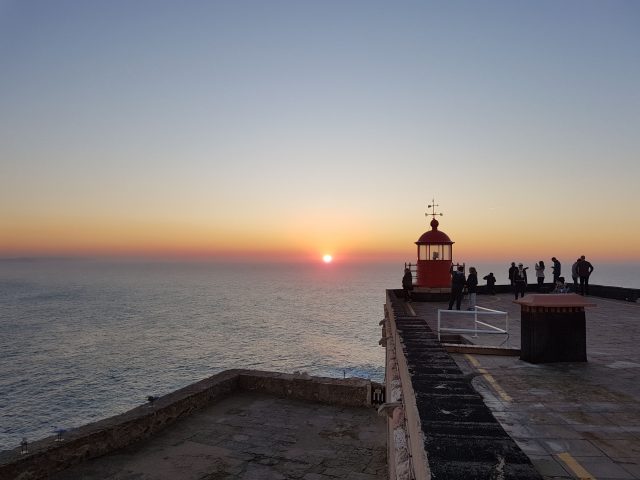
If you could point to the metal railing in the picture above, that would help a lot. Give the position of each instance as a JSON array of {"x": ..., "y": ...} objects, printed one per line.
[{"x": 474, "y": 314}]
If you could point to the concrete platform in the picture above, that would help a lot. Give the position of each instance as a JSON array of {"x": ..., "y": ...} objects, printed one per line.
[
  {"x": 573, "y": 420},
  {"x": 253, "y": 436}
]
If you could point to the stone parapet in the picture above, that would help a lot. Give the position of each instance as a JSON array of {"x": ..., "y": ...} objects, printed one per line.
[
  {"x": 407, "y": 458},
  {"x": 48, "y": 455},
  {"x": 352, "y": 392}
]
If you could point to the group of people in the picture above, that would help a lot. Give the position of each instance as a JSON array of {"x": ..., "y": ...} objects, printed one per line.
[
  {"x": 459, "y": 283},
  {"x": 540, "y": 267},
  {"x": 518, "y": 277},
  {"x": 580, "y": 270}
]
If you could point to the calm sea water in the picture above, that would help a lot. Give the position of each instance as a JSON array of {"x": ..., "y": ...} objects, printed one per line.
[{"x": 84, "y": 340}]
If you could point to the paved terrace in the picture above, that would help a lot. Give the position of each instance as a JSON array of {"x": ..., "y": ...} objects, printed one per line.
[
  {"x": 255, "y": 437},
  {"x": 238, "y": 424},
  {"x": 573, "y": 420}
]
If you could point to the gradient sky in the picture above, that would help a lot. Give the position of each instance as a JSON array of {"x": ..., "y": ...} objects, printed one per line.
[{"x": 290, "y": 129}]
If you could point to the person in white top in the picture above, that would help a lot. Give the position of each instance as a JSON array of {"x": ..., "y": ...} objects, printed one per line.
[{"x": 540, "y": 274}]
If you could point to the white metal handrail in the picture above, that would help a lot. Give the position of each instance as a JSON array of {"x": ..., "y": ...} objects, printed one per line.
[{"x": 475, "y": 313}]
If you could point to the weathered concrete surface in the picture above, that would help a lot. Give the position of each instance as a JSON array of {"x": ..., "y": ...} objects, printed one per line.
[
  {"x": 253, "y": 436},
  {"x": 47, "y": 456},
  {"x": 572, "y": 419},
  {"x": 458, "y": 432}
]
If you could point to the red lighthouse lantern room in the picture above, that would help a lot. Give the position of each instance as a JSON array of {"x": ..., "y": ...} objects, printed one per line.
[{"x": 435, "y": 250}]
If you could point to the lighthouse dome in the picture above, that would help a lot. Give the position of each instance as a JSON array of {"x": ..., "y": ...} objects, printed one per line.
[{"x": 434, "y": 235}]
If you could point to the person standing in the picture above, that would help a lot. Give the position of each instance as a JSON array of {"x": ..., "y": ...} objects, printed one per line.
[
  {"x": 457, "y": 286},
  {"x": 520, "y": 280},
  {"x": 512, "y": 275},
  {"x": 584, "y": 272},
  {"x": 556, "y": 269},
  {"x": 491, "y": 283},
  {"x": 540, "y": 274},
  {"x": 574, "y": 274},
  {"x": 472, "y": 287},
  {"x": 407, "y": 284}
]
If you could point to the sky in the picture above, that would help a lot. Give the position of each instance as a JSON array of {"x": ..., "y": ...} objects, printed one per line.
[{"x": 284, "y": 130}]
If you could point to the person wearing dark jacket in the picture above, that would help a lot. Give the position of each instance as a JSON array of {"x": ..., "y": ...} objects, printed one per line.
[
  {"x": 491, "y": 283},
  {"x": 574, "y": 274},
  {"x": 584, "y": 271},
  {"x": 407, "y": 284},
  {"x": 457, "y": 286},
  {"x": 512, "y": 274},
  {"x": 520, "y": 280},
  {"x": 472, "y": 287},
  {"x": 557, "y": 269}
]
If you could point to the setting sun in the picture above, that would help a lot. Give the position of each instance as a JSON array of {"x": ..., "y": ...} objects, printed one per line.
[{"x": 327, "y": 258}]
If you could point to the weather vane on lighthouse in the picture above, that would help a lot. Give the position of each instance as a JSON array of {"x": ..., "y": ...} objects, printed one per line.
[{"x": 433, "y": 209}]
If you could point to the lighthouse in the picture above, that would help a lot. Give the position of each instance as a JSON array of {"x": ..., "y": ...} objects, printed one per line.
[{"x": 435, "y": 250}]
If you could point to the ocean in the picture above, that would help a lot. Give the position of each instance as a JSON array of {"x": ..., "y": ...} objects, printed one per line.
[
  {"x": 84, "y": 340},
  {"x": 81, "y": 340}
]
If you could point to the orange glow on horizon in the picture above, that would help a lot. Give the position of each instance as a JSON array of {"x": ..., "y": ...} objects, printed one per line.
[{"x": 473, "y": 242}]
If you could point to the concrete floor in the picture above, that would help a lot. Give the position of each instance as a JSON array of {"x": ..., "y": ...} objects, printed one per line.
[
  {"x": 253, "y": 436},
  {"x": 573, "y": 420}
]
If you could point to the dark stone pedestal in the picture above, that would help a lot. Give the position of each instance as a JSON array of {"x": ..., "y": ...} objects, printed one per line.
[
  {"x": 553, "y": 328},
  {"x": 553, "y": 337}
]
